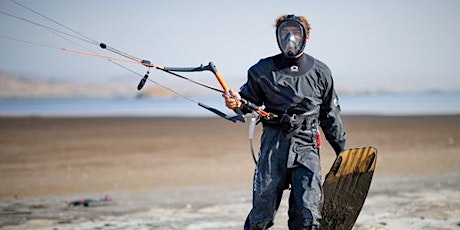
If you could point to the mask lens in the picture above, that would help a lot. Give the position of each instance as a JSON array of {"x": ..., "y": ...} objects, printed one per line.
[
  {"x": 291, "y": 38},
  {"x": 292, "y": 32}
]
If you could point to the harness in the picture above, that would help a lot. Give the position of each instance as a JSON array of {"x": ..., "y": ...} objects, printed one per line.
[{"x": 293, "y": 124}]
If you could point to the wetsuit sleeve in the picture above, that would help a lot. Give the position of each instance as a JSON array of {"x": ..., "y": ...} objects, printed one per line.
[
  {"x": 251, "y": 90},
  {"x": 330, "y": 120}
]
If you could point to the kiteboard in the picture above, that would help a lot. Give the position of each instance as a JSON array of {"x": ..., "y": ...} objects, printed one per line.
[{"x": 346, "y": 186}]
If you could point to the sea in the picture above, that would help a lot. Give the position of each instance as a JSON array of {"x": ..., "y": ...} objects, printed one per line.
[{"x": 385, "y": 104}]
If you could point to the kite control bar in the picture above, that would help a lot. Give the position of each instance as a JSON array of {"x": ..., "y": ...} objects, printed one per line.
[{"x": 209, "y": 67}]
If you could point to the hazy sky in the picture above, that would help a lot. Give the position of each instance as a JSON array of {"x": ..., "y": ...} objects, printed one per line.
[{"x": 404, "y": 45}]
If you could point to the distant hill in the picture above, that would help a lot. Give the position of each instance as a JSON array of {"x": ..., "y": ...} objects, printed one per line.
[{"x": 13, "y": 86}]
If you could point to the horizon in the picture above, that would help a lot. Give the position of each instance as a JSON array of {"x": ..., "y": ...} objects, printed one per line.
[{"x": 27, "y": 87}]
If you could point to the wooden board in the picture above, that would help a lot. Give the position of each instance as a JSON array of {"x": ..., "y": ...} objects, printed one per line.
[{"x": 346, "y": 187}]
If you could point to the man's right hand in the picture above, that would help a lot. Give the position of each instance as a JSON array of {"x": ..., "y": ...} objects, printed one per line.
[{"x": 232, "y": 100}]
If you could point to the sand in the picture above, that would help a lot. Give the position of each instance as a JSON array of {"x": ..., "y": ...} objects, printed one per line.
[{"x": 195, "y": 173}]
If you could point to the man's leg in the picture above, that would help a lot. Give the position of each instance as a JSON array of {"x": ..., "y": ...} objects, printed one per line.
[
  {"x": 269, "y": 184},
  {"x": 305, "y": 197},
  {"x": 269, "y": 179}
]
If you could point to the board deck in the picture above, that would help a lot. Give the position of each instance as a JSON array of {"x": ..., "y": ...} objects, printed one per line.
[{"x": 346, "y": 186}]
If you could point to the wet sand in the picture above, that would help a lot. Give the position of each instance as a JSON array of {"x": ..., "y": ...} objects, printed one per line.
[{"x": 195, "y": 173}]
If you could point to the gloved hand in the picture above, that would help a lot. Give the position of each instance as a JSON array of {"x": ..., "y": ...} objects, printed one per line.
[{"x": 232, "y": 100}]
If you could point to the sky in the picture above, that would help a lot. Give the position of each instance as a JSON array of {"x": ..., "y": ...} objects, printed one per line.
[{"x": 369, "y": 45}]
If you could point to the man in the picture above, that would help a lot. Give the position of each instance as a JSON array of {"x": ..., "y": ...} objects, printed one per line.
[{"x": 299, "y": 89}]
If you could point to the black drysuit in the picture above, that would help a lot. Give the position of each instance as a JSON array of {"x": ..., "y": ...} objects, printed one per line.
[{"x": 301, "y": 92}]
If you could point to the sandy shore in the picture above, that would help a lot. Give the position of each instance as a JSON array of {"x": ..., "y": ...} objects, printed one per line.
[{"x": 195, "y": 173}]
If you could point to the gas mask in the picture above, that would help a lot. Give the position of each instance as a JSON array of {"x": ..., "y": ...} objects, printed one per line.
[{"x": 291, "y": 36}]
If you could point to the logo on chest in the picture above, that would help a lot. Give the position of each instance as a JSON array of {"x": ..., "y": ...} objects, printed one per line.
[{"x": 294, "y": 68}]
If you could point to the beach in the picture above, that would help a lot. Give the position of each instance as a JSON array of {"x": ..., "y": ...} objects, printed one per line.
[{"x": 196, "y": 173}]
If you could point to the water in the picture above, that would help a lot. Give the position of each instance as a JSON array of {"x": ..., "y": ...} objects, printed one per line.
[
  {"x": 402, "y": 104},
  {"x": 376, "y": 104}
]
